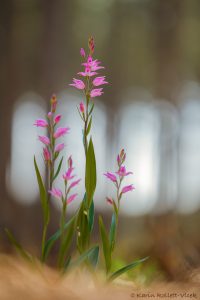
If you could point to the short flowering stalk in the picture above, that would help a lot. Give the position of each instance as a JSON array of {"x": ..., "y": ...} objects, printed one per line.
[
  {"x": 66, "y": 198},
  {"x": 117, "y": 178},
  {"x": 51, "y": 152}
]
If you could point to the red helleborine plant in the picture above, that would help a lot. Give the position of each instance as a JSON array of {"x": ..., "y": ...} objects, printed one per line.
[{"x": 81, "y": 223}]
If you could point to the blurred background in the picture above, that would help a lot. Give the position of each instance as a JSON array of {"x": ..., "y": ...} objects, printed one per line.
[{"x": 151, "y": 107}]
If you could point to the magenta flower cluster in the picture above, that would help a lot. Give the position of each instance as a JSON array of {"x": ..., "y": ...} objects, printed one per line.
[
  {"x": 67, "y": 177},
  {"x": 89, "y": 85},
  {"x": 51, "y": 149},
  {"x": 118, "y": 177}
]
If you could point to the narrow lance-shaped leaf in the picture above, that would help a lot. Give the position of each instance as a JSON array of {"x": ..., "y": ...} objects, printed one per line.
[
  {"x": 91, "y": 216},
  {"x": 90, "y": 173},
  {"x": 69, "y": 231},
  {"x": 112, "y": 234},
  {"x": 105, "y": 244},
  {"x": 49, "y": 244},
  {"x": 89, "y": 126},
  {"x": 58, "y": 169},
  {"x": 91, "y": 109},
  {"x": 91, "y": 253},
  {"x": 43, "y": 195},
  {"x": 126, "y": 268},
  {"x": 18, "y": 247}
]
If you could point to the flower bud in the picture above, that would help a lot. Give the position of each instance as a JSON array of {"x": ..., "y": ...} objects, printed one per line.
[{"x": 53, "y": 103}]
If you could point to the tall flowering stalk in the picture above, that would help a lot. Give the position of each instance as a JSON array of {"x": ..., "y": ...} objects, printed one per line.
[
  {"x": 51, "y": 152},
  {"x": 66, "y": 198},
  {"x": 89, "y": 83},
  {"x": 117, "y": 178}
]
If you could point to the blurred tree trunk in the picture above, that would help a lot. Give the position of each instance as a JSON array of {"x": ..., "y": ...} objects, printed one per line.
[{"x": 164, "y": 228}]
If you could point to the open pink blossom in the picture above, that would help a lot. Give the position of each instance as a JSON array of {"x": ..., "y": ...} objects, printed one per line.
[
  {"x": 57, "y": 119},
  {"x": 111, "y": 176},
  {"x": 74, "y": 183},
  {"x": 96, "y": 92},
  {"x": 61, "y": 131},
  {"x": 71, "y": 198},
  {"x": 44, "y": 139},
  {"x": 68, "y": 175},
  {"x": 87, "y": 72},
  {"x": 82, "y": 52},
  {"x": 41, "y": 123},
  {"x": 56, "y": 193},
  {"x": 46, "y": 154},
  {"x": 127, "y": 188},
  {"x": 77, "y": 83},
  {"x": 82, "y": 107},
  {"x": 93, "y": 65},
  {"x": 99, "y": 81},
  {"x": 122, "y": 172},
  {"x": 59, "y": 147}
]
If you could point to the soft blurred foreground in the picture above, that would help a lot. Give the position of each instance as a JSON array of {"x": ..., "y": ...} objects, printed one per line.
[
  {"x": 21, "y": 281},
  {"x": 151, "y": 107}
]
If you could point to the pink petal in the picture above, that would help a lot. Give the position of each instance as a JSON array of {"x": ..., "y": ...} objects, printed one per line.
[
  {"x": 71, "y": 198},
  {"x": 41, "y": 123},
  {"x": 44, "y": 139},
  {"x": 61, "y": 131}
]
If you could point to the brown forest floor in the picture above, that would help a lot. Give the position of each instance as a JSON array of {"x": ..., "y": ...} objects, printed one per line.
[{"x": 21, "y": 281}]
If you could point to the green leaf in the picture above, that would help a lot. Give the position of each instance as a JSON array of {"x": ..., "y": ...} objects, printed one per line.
[
  {"x": 91, "y": 216},
  {"x": 106, "y": 245},
  {"x": 66, "y": 265},
  {"x": 91, "y": 110},
  {"x": 89, "y": 126},
  {"x": 49, "y": 244},
  {"x": 112, "y": 233},
  {"x": 43, "y": 195},
  {"x": 58, "y": 169},
  {"x": 91, "y": 255},
  {"x": 17, "y": 246},
  {"x": 90, "y": 173},
  {"x": 67, "y": 241},
  {"x": 126, "y": 268},
  {"x": 83, "y": 227}
]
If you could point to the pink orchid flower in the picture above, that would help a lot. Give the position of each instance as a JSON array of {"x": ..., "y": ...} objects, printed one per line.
[
  {"x": 77, "y": 83},
  {"x": 122, "y": 172},
  {"x": 96, "y": 92},
  {"x": 74, "y": 183},
  {"x": 82, "y": 107},
  {"x": 46, "y": 154},
  {"x": 59, "y": 147},
  {"x": 111, "y": 176},
  {"x": 127, "y": 188},
  {"x": 57, "y": 119},
  {"x": 82, "y": 52},
  {"x": 44, "y": 139},
  {"x": 99, "y": 81},
  {"x": 41, "y": 123},
  {"x": 61, "y": 131},
  {"x": 71, "y": 198},
  {"x": 56, "y": 193},
  {"x": 68, "y": 175}
]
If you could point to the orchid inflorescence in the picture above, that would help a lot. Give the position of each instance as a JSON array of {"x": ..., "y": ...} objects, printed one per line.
[{"x": 80, "y": 224}]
